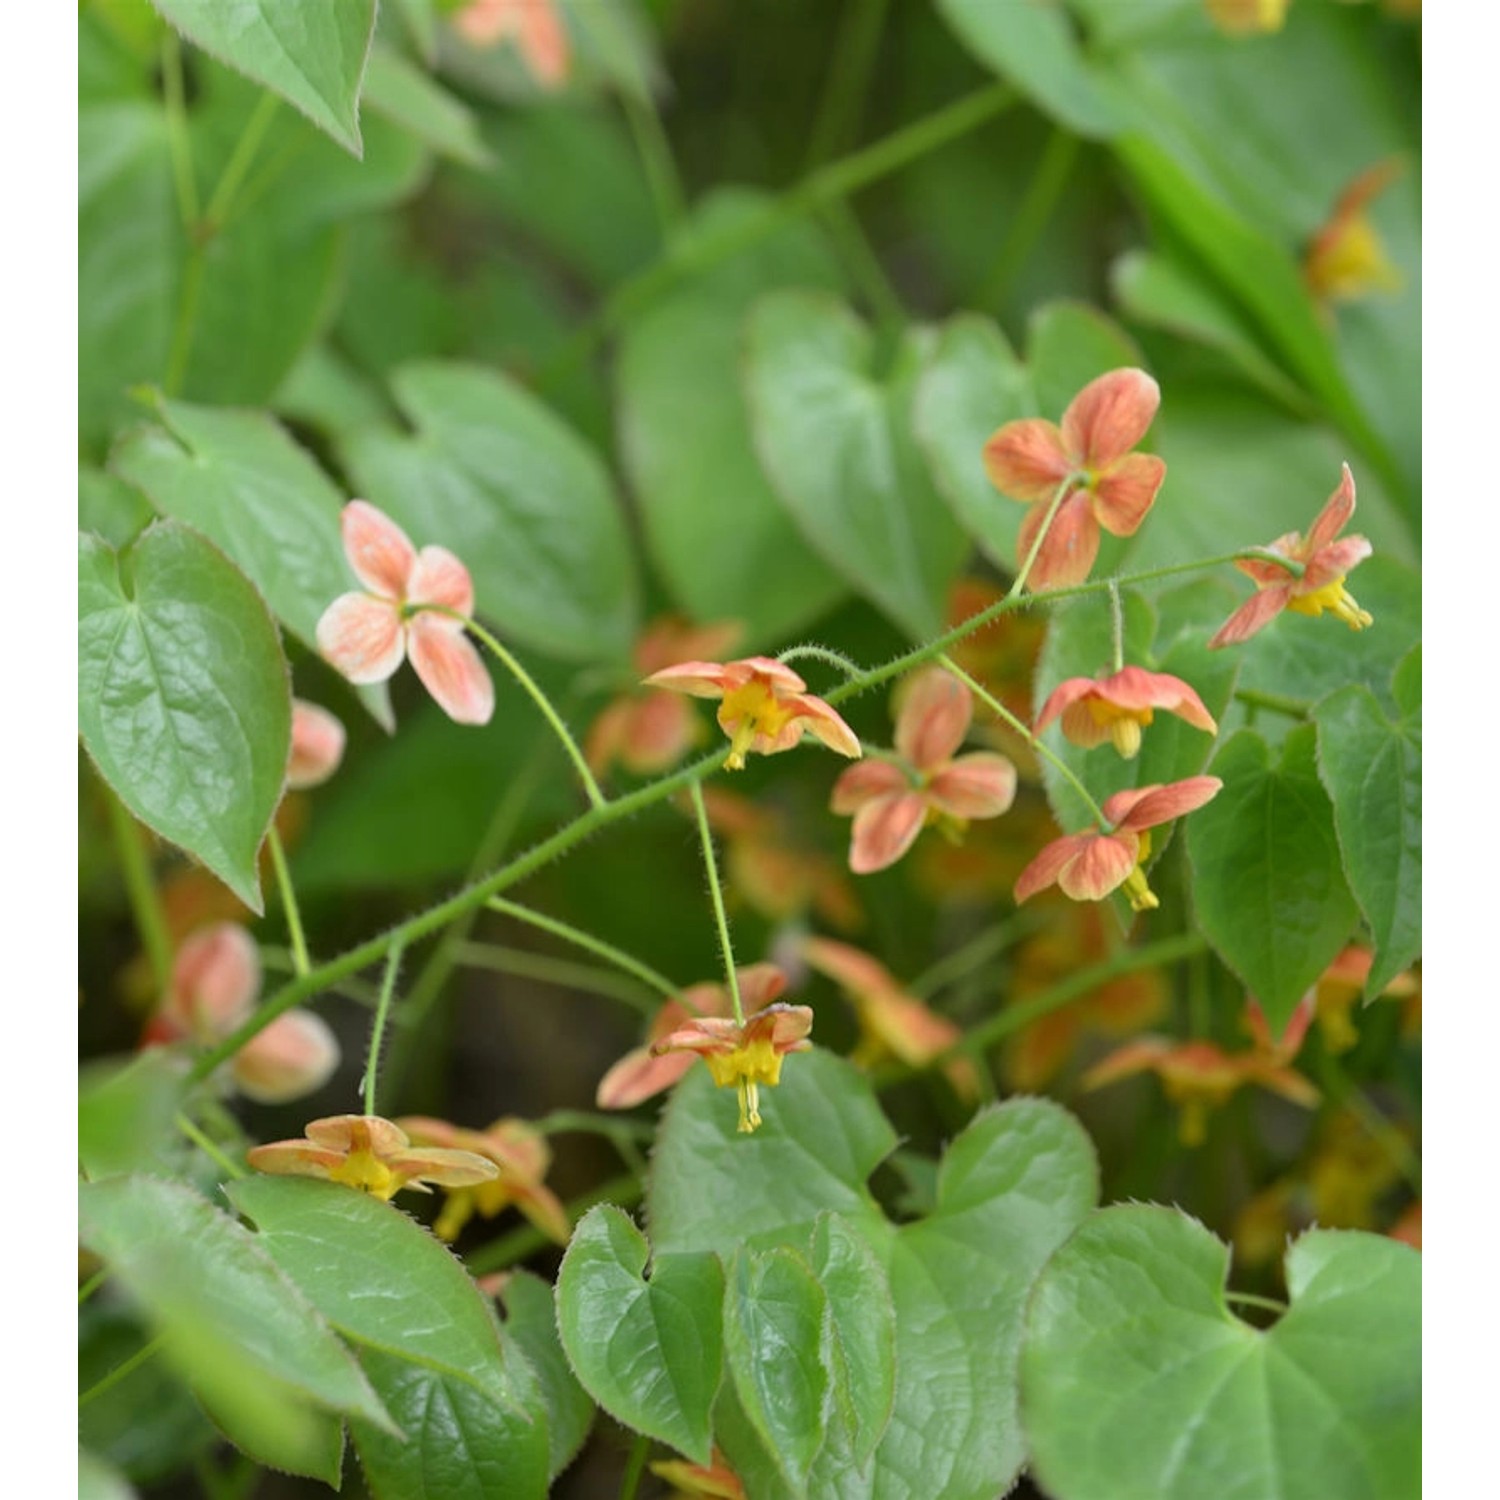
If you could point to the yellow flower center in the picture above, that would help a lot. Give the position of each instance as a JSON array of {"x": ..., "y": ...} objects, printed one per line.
[
  {"x": 1352, "y": 263},
  {"x": 748, "y": 712},
  {"x": 1336, "y": 600},
  {"x": 362, "y": 1169},
  {"x": 747, "y": 1067},
  {"x": 1137, "y": 892}
]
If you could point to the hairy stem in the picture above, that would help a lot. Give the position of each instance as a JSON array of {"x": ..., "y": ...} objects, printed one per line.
[{"x": 711, "y": 868}]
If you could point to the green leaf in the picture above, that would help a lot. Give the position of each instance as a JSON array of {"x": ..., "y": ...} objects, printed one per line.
[
  {"x": 972, "y": 385},
  {"x": 312, "y": 55},
  {"x": 774, "y": 1313},
  {"x": 239, "y": 1330},
  {"x": 98, "y": 1480},
  {"x": 835, "y": 438},
  {"x": 110, "y": 507},
  {"x": 1268, "y": 883},
  {"x": 649, "y": 1352},
  {"x": 723, "y": 544},
  {"x": 407, "y": 97},
  {"x": 498, "y": 478},
  {"x": 126, "y": 1110},
  {"x": 183, "y": 698},
  {"x": 1033, "y": 46},
  {"x": 1371, "y": 767},
  {"x": 1140, "y": 1384},
  {"x": 531, "y": 1325}
]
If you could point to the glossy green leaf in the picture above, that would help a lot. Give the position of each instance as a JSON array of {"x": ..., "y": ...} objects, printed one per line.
[
  {"x": 648, "y": 1351},
  {"x": 1268, "y": 883},
  {"x": 495, "y": 476},
  {"x": 774, "y": 1313},
  {"x": 1139, "y": 1383},
  {"x": 1034, "y": 47},
  {"x": 109, "y": 507},
  {"x": 531, "y": 1326},
  {"x": 312, "y": 55},
  {"x": 1372, "y": 770},
  {"x": 239, "y": 1330},
  {"x": 408, "y": 98},
  {"x": 126, "y": 1112},
  {"x": 972, "y": 385},
  {"x": 183, "y": 698},
  {"x": 835, "y": 437},
  {"x": 721, "y": 541}
]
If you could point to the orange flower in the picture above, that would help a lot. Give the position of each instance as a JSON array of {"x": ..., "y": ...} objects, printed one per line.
[
  {"x": 521, "y": 1157},
  {"x": 1116, "y": 708},
  {"x": 1346, "y": 259},
  {"x": 1247, "y": 17},
  {"x": 1320, "y": 586},
  {"x": 1338, "y": 991},
  {"x": 1198, "y": 1076},
  {"x": 1408, "y": 1228},
  {"x": 766, "y": 706},
  {"x": 649, "y": 732},
  {"x": 365, "y": 636},
  {"x": 693, "y": 1482},
  {"x": 892, "y": 1022},
  {"x": 369, "y": 1153},
  {"x": 536, "y": 27},
  {"x": 891, "y": 804},
  {"x": 745, "y": 1055},
  {"x": 1090, "y": 454},
  {"x": 1088, "y": 866},
  {"x": 317, "y": 746}
]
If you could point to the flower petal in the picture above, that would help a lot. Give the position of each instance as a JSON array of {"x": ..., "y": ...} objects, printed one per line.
[
  {"x": 860, "y": 784},
  {"x": 638, "y": 1075},
  {"x": 317, "y": 745},
  {"x": 1335, "y": 513},
  {"x": 981, "y": 785},
  {"x": 1109, "y": 416},
  {"x": 215, "y": 979},
  {"x": 294, "y": 1159},
  {"x": 294, "y": 1056},
  {"x": 703, "y": 679},
  {"x": 1069, "y": 548},
  {"x": 884, "y": 830},
  {"x": 1045, "y": 868},
  {"x": 1025, "y": 459},
  {"x": 759, "y": 985},
  {"x": 361, "y": 637},
  {"x": 1332, "y": 562},
  {"x": 1099, "y": 866},
  {"x": 380, "y": 553},
  {"x": 453, "y": 1169},
  {"x": 1125, "y": 492},
  {"x": 823, "y": 723},
  {"x": 1148, "y": 806},
  {"x": 438, "y": 577},
  {"x": 1252, "y": 616},
  {"x": 935, "y": 712},
  {"x": 451, "y": 669},
  {"x": 346, "y": 1133}
]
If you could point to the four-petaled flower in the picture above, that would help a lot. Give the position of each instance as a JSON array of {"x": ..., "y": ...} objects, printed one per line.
[
  {"x": 745, "y": 1055},
  {"x": 1088, "y": 866},
  {"x": 766, "y": 706},
  {"x": 416, "y": 606},
  {"x": 1117, "y": 707},
  {"x": 214, "y": 982},
  {"x": 649, "y": 732},
  {"x": 317, "y": 746},
  {"x": 535, "y": 25},
  {"x": 1324, "y": 562},
  {"x": 891, "y": 804},
  {"x": 372, "y": 1154},
  {"x": 1090, "y": 454},
  {"x": 520, "y": 1155}
]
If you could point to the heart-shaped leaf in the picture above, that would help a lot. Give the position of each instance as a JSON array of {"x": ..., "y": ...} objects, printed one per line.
[{"x": 531, "y": 1325}]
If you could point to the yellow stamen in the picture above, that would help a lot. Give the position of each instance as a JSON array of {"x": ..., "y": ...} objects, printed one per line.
[
  {"x": 747, "y": 1067},
  {"x": 1138, "y": 893},
  {"x": 746, "y": 714},
  {"x": 1335, "y": 599},
  {"x": 364, "y": 1170},
  {"x": 1125, "y": 732}
]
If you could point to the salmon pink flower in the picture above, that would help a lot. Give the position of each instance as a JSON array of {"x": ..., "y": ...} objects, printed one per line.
[
  {"x": 317, "y": 746},
  {"x": 214, "y": 984},
  {"x": 891, "y": 804},
  {"x": 766, "y": 706},
  {"x": 416, "y": 605},
  {"x": 1116, "y": 708},
  {"x": 1324, "y": 562},
  {"x": 521, "y": 1157},
  {"x": 745, "y": 1055},
  {"x": 1088, "y": 866},
  {"x": 649, "y": 732},
  {"x": 536, "y": 27},
  {"x": 1090, "y": 457},
  {"x": 369, "y": 1153}
]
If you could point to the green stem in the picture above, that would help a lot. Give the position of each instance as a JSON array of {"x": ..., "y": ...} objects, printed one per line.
[
  {"x": 1117, "y": 623},
  {"x": 1053, "y": 506},
  {"x": 587, "y": 941},
  {"x": 186, "y": 322},
  {"x": 377, "y": 1031},
  {"x": 1251, "y": 1299},
  {"x": 984, "y": 946},
  {"x": 508, "y": 1249},
  {"x": 711, "y": 866},
  {"x": 1031, "y": 215},
  {"x": 635, "y": 1466},
  {"x": 811, "y": 652},
  {"x": 542, "y": 701},
  {"x": 865, "y": 268},
  {"x": 655, "y": 150},
  {"x": 301, "y": 964},
  {"x": 622, "y": 1134},
  {"x": 92, "y": 1285},
  {"x": 178, "y": 144},
  {"x": 240, "y": 160},
  {"x": 1293, "y": 708},
  {"x": 499, "y": 959},
  {"x": 280, "y": 961},
  {"x": 141, "y": 892},
  {"x": 121, "y": 1370},
  {"x": 208, "y": 1147},
  {"x": 853, "y": 58}
]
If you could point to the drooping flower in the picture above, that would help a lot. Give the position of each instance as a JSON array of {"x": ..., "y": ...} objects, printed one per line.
[
  {"x": 536, "y": 27},
  {"x": 416, "y": 605},
  {"x": 369, "y": 1153},
  {"x": 1117, "y": 707},
  {"x": 1324, "y": 558},
  {"x": 1346, "y": 259},
  {"x": 317, "y": 746},
  {"x": 649, "y": 731},
  {"x": 892, "y": 1022},
  {"x": 1088, "y": 866},
  {"x": 521, "y": 1157},
  {"x": 214, "y": 983},
  {"x": 745, "y": 1055},
  {"x": 891, "y": 804},
  {"x": 766, "y": 706},
  {"x": 1107, "y": 484},
  {"x": 1247, "y": 17},
  {"x": 694, "y": 1482}
]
